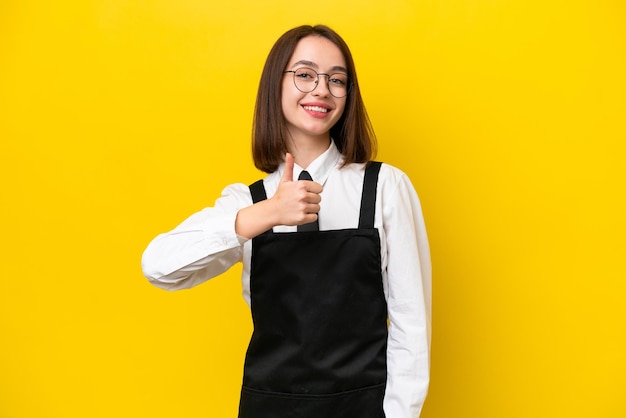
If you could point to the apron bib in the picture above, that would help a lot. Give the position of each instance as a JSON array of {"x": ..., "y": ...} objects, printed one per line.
[{"x": 318, "y": 349}]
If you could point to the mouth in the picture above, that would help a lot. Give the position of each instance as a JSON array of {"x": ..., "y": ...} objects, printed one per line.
[{"x": 318, "y": 109}]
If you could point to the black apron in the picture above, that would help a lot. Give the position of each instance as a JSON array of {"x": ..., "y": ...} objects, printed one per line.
[{"x": 319, "y": 344}]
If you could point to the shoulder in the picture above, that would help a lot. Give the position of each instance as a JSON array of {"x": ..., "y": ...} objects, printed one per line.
[
  {"x": 391, "y": 175},
  {"x": 388, "y": 174},
  {"x": 234, "y": 196},
  {"x": 395, "y": 186},
  {"x": 390, "y": 178},
  {"x": 236, "y": 189}
]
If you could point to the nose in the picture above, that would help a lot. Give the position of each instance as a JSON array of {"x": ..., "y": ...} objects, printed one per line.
[{"x": 321, "y": 86}]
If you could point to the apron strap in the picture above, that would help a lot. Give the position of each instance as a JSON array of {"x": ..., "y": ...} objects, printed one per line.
[
  {"x": 257, "y": 190},
  {"x": 368, "y": 198}
]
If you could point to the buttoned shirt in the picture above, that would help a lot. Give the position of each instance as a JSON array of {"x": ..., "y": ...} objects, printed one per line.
[{"x": 206, "y": 245}]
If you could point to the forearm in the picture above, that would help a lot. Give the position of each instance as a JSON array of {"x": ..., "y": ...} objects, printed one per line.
[
  {"x": 202, "y": 247},
  {"x": 256, "y": 219},
  {"x": 408, "y": 362}
]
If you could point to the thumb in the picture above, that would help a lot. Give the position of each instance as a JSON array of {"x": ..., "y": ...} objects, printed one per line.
[{"x": 288, "y": 173}]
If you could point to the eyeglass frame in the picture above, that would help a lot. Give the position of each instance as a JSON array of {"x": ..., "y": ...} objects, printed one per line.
[{"x": 317, "y": 81}]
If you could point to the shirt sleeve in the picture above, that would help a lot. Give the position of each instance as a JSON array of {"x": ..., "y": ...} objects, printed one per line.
[
  {"x": 409, "y": 300},
  {"x": 204, "y": 246}
]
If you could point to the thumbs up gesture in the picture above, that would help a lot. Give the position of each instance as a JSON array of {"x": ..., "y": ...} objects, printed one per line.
[
  {"x": 297, "y": 202},
  {"x": 294, "y": 203}
]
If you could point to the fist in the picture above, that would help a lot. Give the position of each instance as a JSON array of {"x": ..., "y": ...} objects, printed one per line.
[{"x": 297, "y": 202}]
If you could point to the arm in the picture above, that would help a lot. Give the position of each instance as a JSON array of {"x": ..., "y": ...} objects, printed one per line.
[
  {"x": 409, "y": 302},
  {"x": 209, "y": 242},
  {"x": 202, "y": 247}
]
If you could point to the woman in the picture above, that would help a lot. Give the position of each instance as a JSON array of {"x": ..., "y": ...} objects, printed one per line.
[{"x": 336, "y": 262}]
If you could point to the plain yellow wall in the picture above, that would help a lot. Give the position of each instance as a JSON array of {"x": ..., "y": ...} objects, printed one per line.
[{"x": 118, "y": 119}]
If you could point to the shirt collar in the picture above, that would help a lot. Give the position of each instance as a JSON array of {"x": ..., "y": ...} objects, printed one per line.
[{"x": 320, "y": 168}]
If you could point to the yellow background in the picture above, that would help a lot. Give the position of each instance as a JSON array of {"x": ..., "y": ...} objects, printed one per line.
[{"x": 118, "y": 119}]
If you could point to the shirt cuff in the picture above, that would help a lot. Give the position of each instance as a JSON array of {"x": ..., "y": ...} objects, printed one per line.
[{"x": 242, "y": 240}]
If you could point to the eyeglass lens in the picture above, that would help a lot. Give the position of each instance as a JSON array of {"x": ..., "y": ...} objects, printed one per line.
[{"x": 306, "y": 80}]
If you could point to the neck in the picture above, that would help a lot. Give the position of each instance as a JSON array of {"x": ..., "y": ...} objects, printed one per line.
[{"x": 305, "y": 150}]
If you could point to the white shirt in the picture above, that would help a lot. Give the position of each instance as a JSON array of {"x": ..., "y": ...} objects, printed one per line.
[{"x": 206, "y": 245}]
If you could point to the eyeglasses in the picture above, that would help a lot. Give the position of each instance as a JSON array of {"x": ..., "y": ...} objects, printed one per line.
[{"x": 306, "y": 80}]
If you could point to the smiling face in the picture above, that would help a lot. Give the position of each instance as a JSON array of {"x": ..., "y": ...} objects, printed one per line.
[{"x": 310, "y": 116}]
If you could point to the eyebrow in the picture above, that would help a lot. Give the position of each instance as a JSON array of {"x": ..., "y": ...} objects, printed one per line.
[{"x": 315, "y": 66}]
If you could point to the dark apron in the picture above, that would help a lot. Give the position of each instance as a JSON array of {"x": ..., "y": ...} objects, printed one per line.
[{"x": 318, "y": 349}]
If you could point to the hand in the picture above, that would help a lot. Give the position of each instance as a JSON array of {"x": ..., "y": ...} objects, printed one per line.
[{"x": 296, "y": 202}]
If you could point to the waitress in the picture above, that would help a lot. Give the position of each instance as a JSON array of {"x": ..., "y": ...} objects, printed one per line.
[{"x": 336, "y": 263}]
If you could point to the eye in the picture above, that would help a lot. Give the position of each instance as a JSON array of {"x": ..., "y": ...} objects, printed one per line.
[
  {"x": 306, "y": 74},
  {"x": 338, "y": 79}
]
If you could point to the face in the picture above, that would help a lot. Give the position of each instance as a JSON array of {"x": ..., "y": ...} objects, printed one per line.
[{"x": 310, "y": 115}]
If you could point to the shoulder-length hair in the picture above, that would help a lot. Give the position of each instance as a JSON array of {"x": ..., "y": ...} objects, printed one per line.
[{"x": 353, "y": 133}]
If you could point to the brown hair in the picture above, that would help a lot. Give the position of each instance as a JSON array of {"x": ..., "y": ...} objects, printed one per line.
[{"x": 353, "y": 133}]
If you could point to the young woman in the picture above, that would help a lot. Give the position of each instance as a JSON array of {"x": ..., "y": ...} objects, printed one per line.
[{"x": 336, "y": 264}]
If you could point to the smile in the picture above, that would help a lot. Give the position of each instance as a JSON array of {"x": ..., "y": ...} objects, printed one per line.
[{"x": 316, "y": 109}]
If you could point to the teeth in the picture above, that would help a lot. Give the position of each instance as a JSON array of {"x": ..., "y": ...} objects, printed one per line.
[{"x": 316, "y": 109}]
